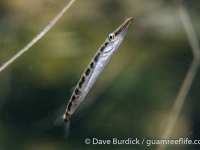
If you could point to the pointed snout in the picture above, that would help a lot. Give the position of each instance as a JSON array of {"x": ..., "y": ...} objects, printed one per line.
[
  {"x": 126, "y": 24},
  {"x": 121, "y": 31}
]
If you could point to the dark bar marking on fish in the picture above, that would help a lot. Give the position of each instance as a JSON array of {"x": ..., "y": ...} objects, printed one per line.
[
  {"x": 87, "y": 72},
  {"x": 73, "y": 97},
  {"x": 69, "y": 106},
  {"x": 67, "y": 116},
  {"x": 106, "y": 44},
  {"x": 77, "y": 91},
  {"x": 96, "y": 57},
  {"x": 81, "y": 82},
  {"x": 91, "y": 65},
  {"x": 102, "y": 48}
]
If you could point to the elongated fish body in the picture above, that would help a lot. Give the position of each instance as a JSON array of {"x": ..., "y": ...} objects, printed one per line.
[{"x": 95, "y": 67}]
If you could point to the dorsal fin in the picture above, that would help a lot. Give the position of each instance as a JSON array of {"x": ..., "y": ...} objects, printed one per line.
[{"x": 72, "y": 89}]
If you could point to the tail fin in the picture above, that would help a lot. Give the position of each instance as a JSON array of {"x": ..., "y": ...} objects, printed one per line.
[
  {"x": 66, "y": 130},
  {"x": 59, "y": 122}
]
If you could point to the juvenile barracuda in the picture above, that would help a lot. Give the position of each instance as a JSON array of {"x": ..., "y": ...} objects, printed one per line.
[{"x": 95, "y": 67}]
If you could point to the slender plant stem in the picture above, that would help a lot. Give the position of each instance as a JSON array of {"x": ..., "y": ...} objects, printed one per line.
[
  {"x": 47, "y": 28},
  {"x": 180, "y": 99}
]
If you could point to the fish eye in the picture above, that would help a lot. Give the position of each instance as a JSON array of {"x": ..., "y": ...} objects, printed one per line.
[{"x": 111, "y": 36}]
